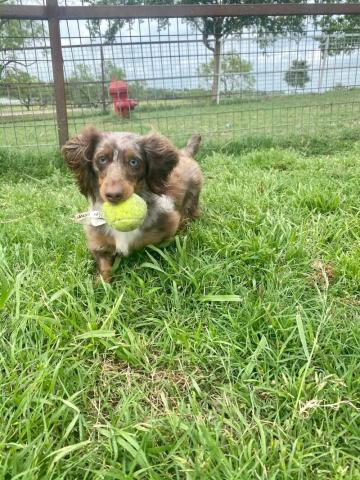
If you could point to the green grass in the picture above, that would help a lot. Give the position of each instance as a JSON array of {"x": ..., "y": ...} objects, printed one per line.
[
  {"x": 277, "y": 115},
  {"x": 233, "y": 353}
]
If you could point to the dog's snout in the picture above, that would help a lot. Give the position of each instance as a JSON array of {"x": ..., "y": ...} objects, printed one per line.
[{"x": 114, "y": 196}]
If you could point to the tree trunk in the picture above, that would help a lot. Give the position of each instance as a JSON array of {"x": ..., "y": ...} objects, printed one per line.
[{"x": 216, "y": 77}]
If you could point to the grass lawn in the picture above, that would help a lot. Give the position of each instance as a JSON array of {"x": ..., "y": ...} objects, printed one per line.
[{"x": 233, "y": 353}]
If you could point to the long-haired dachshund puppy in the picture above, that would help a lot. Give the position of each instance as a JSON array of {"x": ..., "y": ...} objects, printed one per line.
[{"x": 111, "y": 166}]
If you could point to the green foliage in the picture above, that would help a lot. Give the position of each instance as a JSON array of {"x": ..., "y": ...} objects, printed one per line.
[
  {"x": 235, "y": 73},
  {"x": 298, "y": 74}
]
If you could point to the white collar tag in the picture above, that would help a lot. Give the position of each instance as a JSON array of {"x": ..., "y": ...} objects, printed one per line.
[{"x": 93, "y": 217}]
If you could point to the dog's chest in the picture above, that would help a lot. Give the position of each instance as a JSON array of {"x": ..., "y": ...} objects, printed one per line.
[
  {"x": 124, "y": 241},
  {"x": 157, "y": 206}
]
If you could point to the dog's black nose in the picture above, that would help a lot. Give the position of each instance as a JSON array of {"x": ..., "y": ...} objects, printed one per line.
[{"x": 114, "y": 196}]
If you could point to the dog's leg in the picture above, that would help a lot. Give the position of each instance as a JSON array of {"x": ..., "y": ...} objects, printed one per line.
[
  {"x": 192, "y": 146},
  {"x": 104, "y": 263},
  {"x": 193, "y": 208},
  {"x": 103, "y": 249}
]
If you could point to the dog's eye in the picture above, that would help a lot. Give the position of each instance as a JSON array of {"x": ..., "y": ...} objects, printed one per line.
[
  {"x": 102, "y": 160},
  {"x": 134, "y": 162}
]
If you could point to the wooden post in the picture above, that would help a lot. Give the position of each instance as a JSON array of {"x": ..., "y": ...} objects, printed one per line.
[{"x": 58, "y": 71}]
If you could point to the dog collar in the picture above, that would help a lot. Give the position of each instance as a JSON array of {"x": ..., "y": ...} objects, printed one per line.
[{"x": 92, "y": 217}]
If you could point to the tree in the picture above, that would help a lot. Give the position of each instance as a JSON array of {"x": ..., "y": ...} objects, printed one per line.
[
  {"x": 15, "y": 35},
  {"x": 298, "y": 74},
  {"x": 113, "y": 72},
  {"x": 96, "y": 25},
  {"x": 138, "y": 90},
  {"x": 109, "y": 29},
  {"x": 235, "y": 73},
  {"x": 212, "y": 29},
  {"x": 83, "y": 88},
  {"x": 22, "y": 86},
  {"x": 339, "y": 33},
  {"x": 216, "y": 29}
]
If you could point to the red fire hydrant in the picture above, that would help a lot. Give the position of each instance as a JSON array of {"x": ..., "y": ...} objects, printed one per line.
[{"x": 118, "y": 90}]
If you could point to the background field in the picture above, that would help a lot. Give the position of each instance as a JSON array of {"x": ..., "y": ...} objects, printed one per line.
[
  {"x": 233, "y": 353},
  {"x": 279, "y": 116}
]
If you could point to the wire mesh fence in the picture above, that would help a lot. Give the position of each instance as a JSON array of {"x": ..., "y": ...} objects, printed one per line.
[{"x": 223, "y": 77}]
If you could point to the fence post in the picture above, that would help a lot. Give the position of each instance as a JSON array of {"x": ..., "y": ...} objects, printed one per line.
[
  {"x": 58, "y": 71},
  {"x": 103, "y": 90},
  {"x": 323, "y": 60},
  {"x": 219, "y": 75}
]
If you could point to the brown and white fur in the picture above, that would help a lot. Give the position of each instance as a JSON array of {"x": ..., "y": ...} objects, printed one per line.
[{"x": 111, "y": 166}]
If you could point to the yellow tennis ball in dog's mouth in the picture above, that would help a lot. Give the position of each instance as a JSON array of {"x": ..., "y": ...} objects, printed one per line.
[{"x": 125, "y": 216}]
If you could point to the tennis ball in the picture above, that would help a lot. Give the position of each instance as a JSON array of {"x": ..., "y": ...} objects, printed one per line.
[{"x": 127, "y": 215}]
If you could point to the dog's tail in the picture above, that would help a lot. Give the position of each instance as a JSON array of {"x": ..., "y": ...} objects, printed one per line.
[{"x": 192, "y": 145}]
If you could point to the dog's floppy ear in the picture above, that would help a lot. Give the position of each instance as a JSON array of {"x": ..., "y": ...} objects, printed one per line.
[
  {"x": 161, "y": 157},
  {"x": 78, "y": 153}
]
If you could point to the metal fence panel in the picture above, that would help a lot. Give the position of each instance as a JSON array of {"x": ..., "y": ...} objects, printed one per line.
[{"x": 55, "y": 75}]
